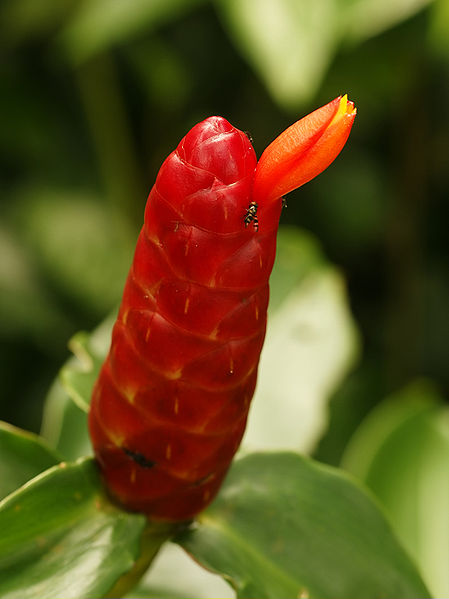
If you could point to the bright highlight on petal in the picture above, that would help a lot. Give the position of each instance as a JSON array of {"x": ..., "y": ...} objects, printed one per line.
[{"x": 303, "y": 150}]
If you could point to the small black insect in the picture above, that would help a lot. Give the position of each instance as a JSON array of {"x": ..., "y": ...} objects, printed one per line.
[
  {"x": 251, "y": 216},
  {"x": 248, "y": 135},
  {"x": 139, "y": 458}
]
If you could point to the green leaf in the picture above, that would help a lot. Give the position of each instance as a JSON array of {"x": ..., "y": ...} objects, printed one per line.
[
  {"x": 439, "y": 27},
  {"x": 284, "y": 526},
  {"x": 144, "y": 592},
  {"x": 382, "y": 424},
  {"x": 401, "y": 451},
  {"x": 99, "y": 24},
  {"x": 22, "y": 19},
  {"x": 25, "y": 306},
  {"x": 65, "y": 412},
  {"x": 298, "y": 255},
  {"x": 78, "y": 376},
  {"x": 366, "y": 18},
  {"x": 23, "y": 456},
  {"x": 168, "y": 85},
  {"x": 289, "y": 43},
  {"x": 311, "y": 343},
  {"x": 62, "y": 538},
  {"x": 81, "y": 247},
  {"x": 64, "y": 424}
]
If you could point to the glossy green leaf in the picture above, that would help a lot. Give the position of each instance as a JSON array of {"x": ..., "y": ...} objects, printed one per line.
[
  {"x": 62, "y": 538},
  {"x": 311, "y": 343},
  {"x": 284, "y": 526},
  {"x": 289, "y": 43},
  {"x": 23, "y": 456},
  {"x": 401, "y": 451},
  {"x": 99, "y": 24}
]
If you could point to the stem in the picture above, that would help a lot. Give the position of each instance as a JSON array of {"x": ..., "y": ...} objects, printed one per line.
[{"x": 154, "y": 536}]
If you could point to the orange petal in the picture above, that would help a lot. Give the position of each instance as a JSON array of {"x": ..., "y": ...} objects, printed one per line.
[{"x": 303, "y": 150}]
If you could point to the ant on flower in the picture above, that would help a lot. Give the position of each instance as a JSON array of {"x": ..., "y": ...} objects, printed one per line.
[{"x": 251, "y": 216}]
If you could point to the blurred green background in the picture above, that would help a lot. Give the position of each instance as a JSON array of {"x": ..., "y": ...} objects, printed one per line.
[{"x": 93, "y": 96}]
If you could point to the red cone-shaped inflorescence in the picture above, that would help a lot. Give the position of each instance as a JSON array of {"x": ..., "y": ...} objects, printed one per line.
[{"x": 170, "y": 405}]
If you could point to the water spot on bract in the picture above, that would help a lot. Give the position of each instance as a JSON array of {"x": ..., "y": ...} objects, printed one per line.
[{"x": 168, "y": 452}]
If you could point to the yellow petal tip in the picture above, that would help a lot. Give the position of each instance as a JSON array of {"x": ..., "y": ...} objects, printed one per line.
[{"x": 345, "y": 107}]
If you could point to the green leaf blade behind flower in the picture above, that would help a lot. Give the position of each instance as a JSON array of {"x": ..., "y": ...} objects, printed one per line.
[
  {"x": 64, "y": 424},
  {"x": 98, "y": 25},
  {"x": 367, "y": 18},
  {"x": 283, "y": 526},
  {"x": 312, "y": 342},
  {"x": 289, "y": 43},
  {"x": 401, "y": 451}
]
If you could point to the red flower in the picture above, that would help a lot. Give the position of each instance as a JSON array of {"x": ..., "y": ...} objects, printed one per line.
[
  {"x": 169, "y": 407},
  {"x": 303, "y": 150}
]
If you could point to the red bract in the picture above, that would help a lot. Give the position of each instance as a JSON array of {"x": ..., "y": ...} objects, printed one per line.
[{"x": 169, "y": 407}]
